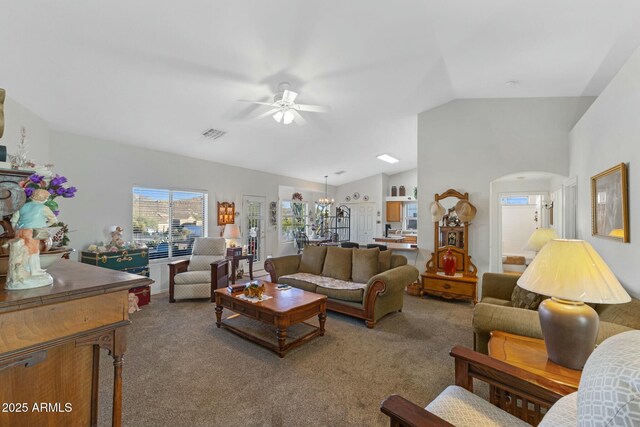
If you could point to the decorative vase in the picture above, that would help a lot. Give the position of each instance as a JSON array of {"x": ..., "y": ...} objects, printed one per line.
[
  {"x": 402, "y": 191},
  {"x": 449, "y": 263},
  {"x": 394, "y": 191}
]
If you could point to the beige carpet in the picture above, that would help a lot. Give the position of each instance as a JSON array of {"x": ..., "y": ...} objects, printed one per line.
[{"x": 180, "y": 370}]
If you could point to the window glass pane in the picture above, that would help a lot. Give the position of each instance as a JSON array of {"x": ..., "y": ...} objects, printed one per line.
[
  {"x": 187, "y": 213},
  {"x": 294, "y": 218},
  {"x": 168, "y": 221}
]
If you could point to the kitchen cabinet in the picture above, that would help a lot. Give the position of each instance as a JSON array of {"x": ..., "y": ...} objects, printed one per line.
[{"x": 394, "y": 211}]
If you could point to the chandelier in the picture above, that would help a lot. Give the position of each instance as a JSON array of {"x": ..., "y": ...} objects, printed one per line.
[{"x": 325, "y": 202}]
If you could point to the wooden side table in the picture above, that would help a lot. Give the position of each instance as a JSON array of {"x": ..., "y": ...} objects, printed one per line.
[
  {"x": 235, "y": 259},
  {"x": 530, "y": 354}
]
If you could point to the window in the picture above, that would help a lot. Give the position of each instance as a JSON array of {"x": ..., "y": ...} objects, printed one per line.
[
  {"x": 168, "y": 221},
  {"x": 410, "y": 216},
  {"x": 294, "y": 218}
]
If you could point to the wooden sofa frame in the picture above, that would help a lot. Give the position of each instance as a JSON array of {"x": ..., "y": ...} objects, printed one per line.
[{"x": 522, "y": 394}]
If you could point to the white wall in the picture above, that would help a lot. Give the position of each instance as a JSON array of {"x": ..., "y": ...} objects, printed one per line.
[
  {"x": 373, "y": 187},
  {"x": 517, "y": 226},
  {"x": 105, "y": 172},
  {"x": 466, "y": 144},
  {"x": 609, "y": 134},
  {"x": 15, "y": 116},
  {"x": 408, "y": 178}
]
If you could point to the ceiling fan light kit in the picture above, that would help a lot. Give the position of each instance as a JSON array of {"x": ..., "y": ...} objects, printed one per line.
[{"x": 285, "y": 110}]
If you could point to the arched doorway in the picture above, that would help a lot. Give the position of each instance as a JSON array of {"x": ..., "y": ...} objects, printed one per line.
[{"x": 520, "y": 203}]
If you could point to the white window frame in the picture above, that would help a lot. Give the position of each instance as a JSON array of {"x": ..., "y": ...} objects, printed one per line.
[
  {"x": 406, "y": 217},
  {"x": 281, "y": 237},
  {"x": 205, "y": 220}
]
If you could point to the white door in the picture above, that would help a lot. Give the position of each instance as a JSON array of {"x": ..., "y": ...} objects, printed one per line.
[
  {"x": 363, "y": 222},
  {"x": 254, "y": 225}
]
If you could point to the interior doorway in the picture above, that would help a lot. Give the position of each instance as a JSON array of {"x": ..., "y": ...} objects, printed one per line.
[
  {"x": 254, "y": 226},
  {"x": 520, "y": 215},
  {"x": 525, "y": 193},
  {"x": 363, "y": 222}
]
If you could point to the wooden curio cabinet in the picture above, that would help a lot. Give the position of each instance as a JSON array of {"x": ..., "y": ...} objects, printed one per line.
[{"x": 226, "y": 213}]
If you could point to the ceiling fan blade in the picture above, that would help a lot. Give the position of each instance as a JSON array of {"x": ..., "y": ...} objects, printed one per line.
[
  {"x": 298, "y": 118},
  {"x": 312, "y": 108},
  {"x": 255, "y": 102},
  {"x": 289, "y": 96},
  {"x": 268, "y": 113}
]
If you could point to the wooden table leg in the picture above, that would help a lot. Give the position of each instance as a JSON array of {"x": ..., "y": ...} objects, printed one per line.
[
  {"x": 218, "y": 315},
  {"x": 119, "y": 347},
  {"x": 322, "y": 317},
  {"x": 281, "y": 333},
  {"x": 234, "y": 266}
]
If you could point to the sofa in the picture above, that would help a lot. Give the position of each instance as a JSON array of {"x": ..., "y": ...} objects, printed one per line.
[
  {"x": 364, "y": 283},
  {"x": 496, "y": 311}
]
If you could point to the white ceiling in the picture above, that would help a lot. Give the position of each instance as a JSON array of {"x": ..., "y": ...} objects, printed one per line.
[{"x": 158, "y": 73}]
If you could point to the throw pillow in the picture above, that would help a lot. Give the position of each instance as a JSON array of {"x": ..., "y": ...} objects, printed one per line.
[
  {"x": 365, "y": 264},
  {"x": 337, "y": 263},
  {"x": 384, "y": 261},
  {"x": 522, "y": 298},
  {"x": 312, "y": 259}
]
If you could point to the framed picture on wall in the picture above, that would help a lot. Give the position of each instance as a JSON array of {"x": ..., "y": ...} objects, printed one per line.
[{"x": 609, "y": 204}]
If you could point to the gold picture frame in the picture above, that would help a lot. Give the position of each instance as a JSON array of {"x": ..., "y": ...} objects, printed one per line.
[{"x": 609, "y": 204}]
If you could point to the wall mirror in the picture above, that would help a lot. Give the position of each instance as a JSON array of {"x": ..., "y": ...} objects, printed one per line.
[{"x": 609, "y": 204}]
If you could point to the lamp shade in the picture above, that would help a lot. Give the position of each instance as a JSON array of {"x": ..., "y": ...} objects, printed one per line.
[
  {"x": 231, "y": 231},
  {"x": 540, "y": 237},
  {"x": 573, "y": 270}
]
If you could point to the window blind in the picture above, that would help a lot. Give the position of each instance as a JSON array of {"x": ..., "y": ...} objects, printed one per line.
[{"x": 168, "y": 221}]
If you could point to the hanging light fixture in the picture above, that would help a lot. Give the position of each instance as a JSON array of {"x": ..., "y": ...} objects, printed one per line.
[
  {"x": 284, "y": 116},
  {"x": 325, "y": 201}
]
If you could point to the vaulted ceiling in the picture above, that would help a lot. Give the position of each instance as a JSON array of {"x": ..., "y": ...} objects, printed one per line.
[{"x": 157, "y": 74}]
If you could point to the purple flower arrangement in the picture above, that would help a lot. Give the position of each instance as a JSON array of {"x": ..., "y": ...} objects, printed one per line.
[{"x": 55, "y": 187}]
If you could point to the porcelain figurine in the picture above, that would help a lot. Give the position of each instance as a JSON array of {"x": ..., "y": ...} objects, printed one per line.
[{"x": 30, "y": 224}]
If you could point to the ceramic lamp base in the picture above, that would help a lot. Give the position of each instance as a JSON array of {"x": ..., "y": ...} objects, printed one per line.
[{"x": 570, "y": 330}]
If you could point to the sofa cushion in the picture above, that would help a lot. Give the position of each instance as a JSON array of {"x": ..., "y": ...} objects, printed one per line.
[
  {"x": 298, "y": 283},
  {"x": 312, "y": 259},
  {"x": 192, "y": 277},
  {"x": 337, "y": 263},
  {"x": 384, "y": 261},
  {"x": 563, "y": 413},
  {"x": 464, "y": 409},
  {"x": 522, "y": 298},
  {"x": 365, "y": 264},
  {"x": 497, "y": 301},
  {"x": 622, "y": 314},
  {"x": 609, "y": 390},
  {"x": 354, "y": 295},
  {"x": 333, "y": 288},
  {"x": 202, "y": 262}
]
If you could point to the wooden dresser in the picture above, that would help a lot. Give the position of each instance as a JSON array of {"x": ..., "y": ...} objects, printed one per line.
[{"x": 50, "y": 341}]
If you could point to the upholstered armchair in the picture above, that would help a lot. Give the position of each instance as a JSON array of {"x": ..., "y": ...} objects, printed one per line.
[
  {"x": 608, "y": 394},
  {"x": 198, "y": 276}
]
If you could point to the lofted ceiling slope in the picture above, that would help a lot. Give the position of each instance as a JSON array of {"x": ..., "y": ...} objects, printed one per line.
[{"x": 157, "y": 74}]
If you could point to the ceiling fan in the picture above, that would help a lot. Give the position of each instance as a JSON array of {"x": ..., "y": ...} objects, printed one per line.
[{"x": 284, "y": 108}]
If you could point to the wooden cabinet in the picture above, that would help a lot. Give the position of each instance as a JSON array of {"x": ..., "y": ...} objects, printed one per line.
[
  {"x": 451, "y": 236},
  {"x": 226, "y": 213},
  {"x": 50, "y": 344},
  {"x": 394, "y": 211}
]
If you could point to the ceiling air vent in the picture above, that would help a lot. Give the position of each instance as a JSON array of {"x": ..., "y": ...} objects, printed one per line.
[
  {"x": 339, "y": 172},
  {"x": 213, "y": 133}
]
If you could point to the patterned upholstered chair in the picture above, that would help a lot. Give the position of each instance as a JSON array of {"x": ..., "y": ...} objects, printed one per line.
[
  {"x": 608, "y": 394},
  {"x": 206, "y": 270}
]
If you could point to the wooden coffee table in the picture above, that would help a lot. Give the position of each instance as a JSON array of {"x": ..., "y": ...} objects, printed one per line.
[
  {"x": 286, "y": 309},
  {"x": 530, "y": 354}
]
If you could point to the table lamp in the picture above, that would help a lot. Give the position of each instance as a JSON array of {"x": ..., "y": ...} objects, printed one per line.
[
  {"x": 539, "y": 238},
  {"x": 231, "y": 233},
  {"x": 572, "y": 273}
]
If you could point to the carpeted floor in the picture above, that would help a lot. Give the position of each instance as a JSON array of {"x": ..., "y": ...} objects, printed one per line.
[{"x": 180, "y": 370}]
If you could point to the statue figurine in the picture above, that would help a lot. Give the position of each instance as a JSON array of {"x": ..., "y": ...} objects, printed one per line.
[{"x": 30, "y": 223}]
